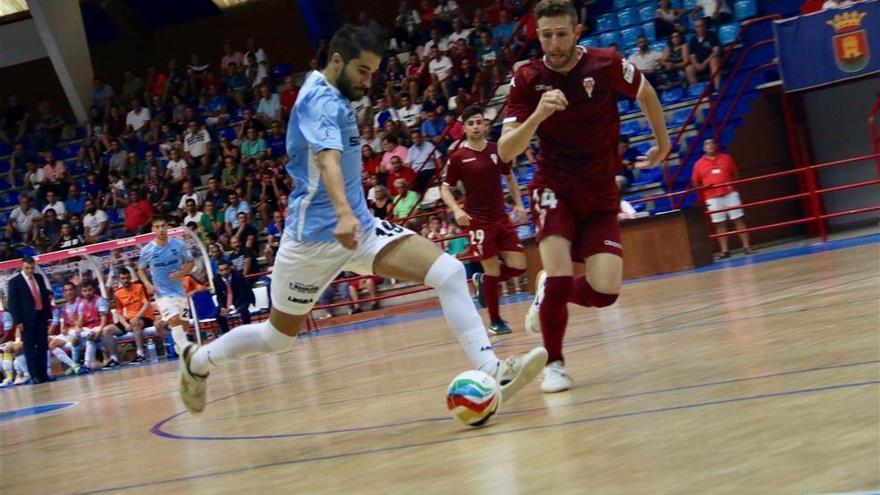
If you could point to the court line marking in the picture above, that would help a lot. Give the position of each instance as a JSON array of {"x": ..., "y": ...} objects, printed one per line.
[
  {"x": 158, "y": 431},
  {"x": 37, "y": 410},
  {"x": 592, "y": 419}
]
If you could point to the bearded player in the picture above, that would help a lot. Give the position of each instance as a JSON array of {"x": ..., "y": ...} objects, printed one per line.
[
  {"x": 476, "y": 164},
  {"x": 569, "y": 100}
]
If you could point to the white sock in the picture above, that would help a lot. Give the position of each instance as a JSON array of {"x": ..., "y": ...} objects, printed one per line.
[
  {"x": 179, "y": 336},
  {"x": 62, "y": 356},
  {"x": 76, "y": 351},
  {"x": 140, "y": 352},
  {"x": 114, "y": 357},
  {"x": 7, "y": 368},
  {"x": 240, "y": 342},
  {"x": 447, "y": 277},
  {"x": 91, "y": 351},
  {"x": 20, "y": 365}
]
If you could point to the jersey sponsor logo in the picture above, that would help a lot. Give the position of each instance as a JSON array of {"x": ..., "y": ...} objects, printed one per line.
[
  {"x": 629, "y": 71},
  {"x": 494, "y": 158},
  {"x": 613, "y": 244},
  {"x": 543, "y": 87},
  {"x": 304, "y": 288},
  {"x": 354, "y": 141},
  {"x": 589, "y": 84},
  {"x": 468, "y": 160}
]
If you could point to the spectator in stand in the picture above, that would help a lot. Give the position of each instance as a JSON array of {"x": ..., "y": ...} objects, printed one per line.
[
  {"x": 436, "y": 40},
  {"x": 23, "y": 221},
  {"x": 138, "y": 214},
  {"x": 417, "y": 75},
  {"x": 423, "y": 159},
  {"x": 96, "y": 134},
  {"x": 384, "y": 114},
  {"x": 628, "y": 158},
  {"x": 55, "y": 175},
  {"x": 406, "y": 26},
  {"x": 503, "y": 31},
  {"x": 156, "y": 83},
  {"x": 273, "y": 237},
  {"x": 666, "y": 19},
  {"x": 371, "y": 162},
  {"x": 250, "y": 122},
  {"x": 231, "y": 55},
  {"x": 49, "y": 127},
  {"x": 118, "y": 156},
  {"x": 392, "y": 148},
  {"x": 188, "y": 193},
  {"x": 288, "y": 97},
  {"x": 256, "y": 74},
  {"x": 395, "y": 76},
  {"x": 269, "y": 108},
  {"x": 193, "y": 215},
  {"x": 398, "y": 171},
  {"x": 705, "y": 52},
  {"x": 409, "y": 112},
  {"x": 381, "y": 206},
  {"x": 176, "y": 170},
  {"x": 405, "y": 201},
  {"x": 246, "y": 232},
  {"x": 95, "y": 224},
  {"x": 214, "y": 194},
  {"x": 242, "y": 257},
  {"x": 236, "y": 206},
  {"x": 253, "y": 146},
  {"x": 713, "y": 169},
  {"x": 440, "y": 67},
  {"x": 676, "y": 57},
  {"x": 102, "y": 95},
  {"x": 647, "y": 61},
  {"x": 487, "y": 54},
  {"x": 48, "y": 231},
  {"x": 15, "y": 121},
  {"x": 217, "y": 107},
  {"x": 369, "y": 138},
  {"x": 459, "y": 32},
  {"x": 67, "y": 238},
  {"x": 259, "y": 55},
  {"x": 236, "y": 84},
  {"x": 53, "y": 203},
  {"x": 197, "y": 147},
  {"x": 212, "y": 220},
  {"x": 715, "y": 12},
  {"x": 75, "y": 204},
  {"x": 114, "y": 123},
  {"x": 232, "y": 174},
  {"x": 433, "y": 126},
  {"x": 138, "y": 117},
  {"x": 234, "y": 295}
]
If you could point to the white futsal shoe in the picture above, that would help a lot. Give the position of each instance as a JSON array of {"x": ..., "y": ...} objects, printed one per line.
[
  {"x": 533, "y": 315},
  {"x": 556, "y": 378},
  {"x": 516, "y": 372},
  {"x": 193, "y": 388}
]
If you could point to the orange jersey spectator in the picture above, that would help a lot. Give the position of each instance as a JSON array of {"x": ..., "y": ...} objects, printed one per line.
[{"x": 130, "y": 300}]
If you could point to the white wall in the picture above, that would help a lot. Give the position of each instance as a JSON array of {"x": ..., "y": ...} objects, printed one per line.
[
  {"x": 838, "y": 121},
  {"x": 20, "y": 43}
]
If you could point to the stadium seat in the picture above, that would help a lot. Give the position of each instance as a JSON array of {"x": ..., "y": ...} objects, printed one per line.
[
  {"x": 4, "y": 184},
  {"x": 661, "y": 205},
  {"x": 649, "y": 31},
  {"x": 678, "y": 118},
  {"x": 629, "y": 36},
  {"x": 5, "y": 149},
  {"x": 4, "y": 166},
  {"x": 696, "y": 90},
  {"x": 589, "y": 41},
  {"x": 646, "y": 12},
  {"x": 728, "y": 32},
  {"x": 623, "y": 107},
  {"x": 689, "y": 4},
  {"x": 204, "y": 306},
  {"x": 677, "y": 4},
  {"x": 627, "y": 17},
  {"x": 672, "y": 96},
  {"x": 631, "y": 128},
  {"x": 659, "y": 45},
  {"x": 649, "y": 175},
  {"x": 606, "y": 22},
  {"x": 606, "y": 39},
  {"x": 642, "y": 148},
  {"x": 11, "y": 199},
  {"x": 622, "y": 4},
  {"x": 743, "y": 9}
]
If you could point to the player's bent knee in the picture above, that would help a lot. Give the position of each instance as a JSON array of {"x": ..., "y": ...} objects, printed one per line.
[
  {"x": 601, "y": 300},
  {"x": 445, "y": 269}
]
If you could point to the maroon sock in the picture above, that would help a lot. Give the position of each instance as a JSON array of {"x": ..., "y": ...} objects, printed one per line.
[
  {"x": 490, "y": 296},
  {"x": 508, "y": 273},
  {"x": 584, "y": 295},
  {"x": 554, "y": 315}
]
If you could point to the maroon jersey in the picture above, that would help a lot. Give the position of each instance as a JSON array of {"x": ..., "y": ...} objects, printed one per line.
[
  {"x": 480, "y": 172},
  {"x": 578, "y": 146}
]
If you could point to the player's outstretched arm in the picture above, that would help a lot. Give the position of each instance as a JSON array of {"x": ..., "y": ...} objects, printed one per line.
[
  {"x": 515, "y": 136},
  {"x": 649, "y": 102},
  {"x": 347, "y": 226}
]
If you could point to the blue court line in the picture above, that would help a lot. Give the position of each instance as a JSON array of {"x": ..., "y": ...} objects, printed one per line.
[
  {"x": 157, "y": 428},
  {"x": 466, "y": 436},
  {"x": 735, "y": 262},
  {"x": 34, "y": 411}
]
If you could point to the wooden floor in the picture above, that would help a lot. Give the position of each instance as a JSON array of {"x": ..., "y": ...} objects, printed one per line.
[{"x": 757, "y": 379}]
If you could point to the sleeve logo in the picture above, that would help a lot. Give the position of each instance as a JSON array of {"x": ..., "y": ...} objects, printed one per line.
[{"x": 629, "y": 71}]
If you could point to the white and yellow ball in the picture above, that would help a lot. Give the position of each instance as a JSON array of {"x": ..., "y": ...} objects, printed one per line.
[{"x": 473, "y": 397}]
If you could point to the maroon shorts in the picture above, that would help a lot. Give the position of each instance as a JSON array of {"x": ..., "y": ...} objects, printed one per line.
[
  {"x": 489, "y": 239},
  {"x": 590, "y": 231}
]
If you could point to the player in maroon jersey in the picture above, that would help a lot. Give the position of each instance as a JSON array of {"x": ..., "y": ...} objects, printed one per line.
[
  {"x": 569, "y": 100},
  {"x": 476, "y": 164}
]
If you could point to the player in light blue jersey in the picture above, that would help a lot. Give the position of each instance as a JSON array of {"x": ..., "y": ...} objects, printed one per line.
[
  {"x": 329, "y": 229},
  {"x": 168, "y": 260}
]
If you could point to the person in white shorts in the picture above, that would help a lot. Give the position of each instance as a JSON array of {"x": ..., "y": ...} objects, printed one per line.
[
  {"x": 329, "y": 229},
  {"x": 715, "y": 170}
]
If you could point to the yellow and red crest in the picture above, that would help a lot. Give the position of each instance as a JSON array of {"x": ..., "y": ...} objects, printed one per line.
[{"x": 851, "y": 50}]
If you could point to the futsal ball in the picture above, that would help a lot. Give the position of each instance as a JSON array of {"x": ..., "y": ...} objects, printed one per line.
[{"x": 473, "y": 397}]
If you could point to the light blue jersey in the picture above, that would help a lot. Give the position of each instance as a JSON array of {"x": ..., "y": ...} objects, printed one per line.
[
  {"x": 162, "y": 261},
  {"x": 322, "y": 120}
]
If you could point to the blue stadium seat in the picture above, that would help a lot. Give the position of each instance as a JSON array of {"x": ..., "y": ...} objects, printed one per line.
[
  {"x": 677, "y": 4},
  {"x": 743, "y": 9},
  {"x": 11, "y": 199},
  {"x": 661, "y": 205},
  {"x": 623, "y": 107},
  {"x": 648, "y": 175},
  {"x": 204, "y": 305},
  {"x": 646, "y": 12},
  {"x": 627, "y": 17},
  {"x": 4, "y": 184},
  {"x": 648, "y": 31},
  {"x": 672, "y": 96},
  {"x": 621, "y": 4},
  {"x": 696, "y": 90},
  {"x": 279, "y": 71},
  {"x": 678, "y": 118},
  {"x": 659, "y": 45},
  {"x": 5, "y": 149},
  {"x": 4, "y": 216},
  {"x": 4, "y": 166},
  {"x": 631, "y": 128},
  {"x": 689, "y": 4},
  {"x": 606, "y": 22},
  {"x": 228, "y": 133},
  {"x": 642, "y": 148},
  {"x": 629, "y": 36},
  {"x": 728, "y": 32},
  {"x": 606, "y": 39},
  {"x": 589, "y": 41},
  {"x": 113, "y": 215}
]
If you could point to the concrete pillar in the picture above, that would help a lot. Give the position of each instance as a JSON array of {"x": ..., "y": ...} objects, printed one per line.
[{"x": 60, "y": 26}]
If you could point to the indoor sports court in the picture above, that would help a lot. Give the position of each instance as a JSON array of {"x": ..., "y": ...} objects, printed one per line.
[{"x": 741, "y": 357}]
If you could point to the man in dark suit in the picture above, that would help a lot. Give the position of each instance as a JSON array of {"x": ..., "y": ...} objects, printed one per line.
[
  {"x": 234, "y": 294},
  {"x": 30, "y": 303}
]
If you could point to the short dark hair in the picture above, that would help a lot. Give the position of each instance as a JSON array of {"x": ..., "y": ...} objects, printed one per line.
[
  {"x": 470, "y": 112},
  {"x": 28, "y": 259},
  {"x": 158, "y": 218},
  {"x": 556, "y": 8},
  {"x": 350, "y": 41},
  {"x": 223, "y": 262}
]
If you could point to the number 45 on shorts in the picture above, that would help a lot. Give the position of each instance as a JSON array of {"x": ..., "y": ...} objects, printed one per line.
[{"x": 544, "y": 198}]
